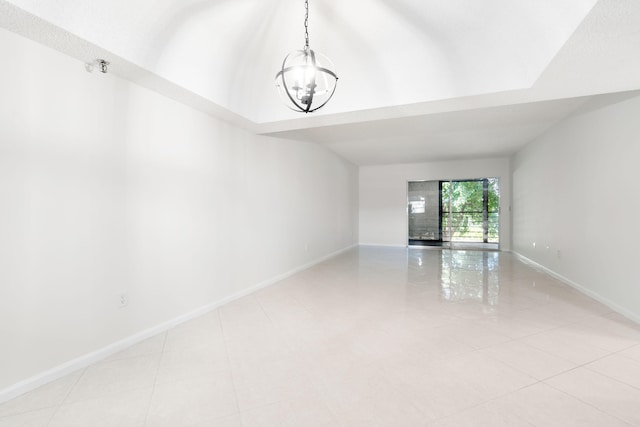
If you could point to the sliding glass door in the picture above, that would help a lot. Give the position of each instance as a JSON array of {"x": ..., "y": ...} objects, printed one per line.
[
  {"x": 424, "y": 209},
  {"x": 456, "y": 211}
]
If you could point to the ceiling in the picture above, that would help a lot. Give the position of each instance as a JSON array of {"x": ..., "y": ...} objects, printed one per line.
[{"x": 420, "y": 80}]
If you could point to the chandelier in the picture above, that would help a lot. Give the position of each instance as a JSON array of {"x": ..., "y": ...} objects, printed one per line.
[{"x": 306, "y": 81}]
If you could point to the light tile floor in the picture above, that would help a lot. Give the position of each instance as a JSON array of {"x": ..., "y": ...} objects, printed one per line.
[{"x": 374, "y": 337}]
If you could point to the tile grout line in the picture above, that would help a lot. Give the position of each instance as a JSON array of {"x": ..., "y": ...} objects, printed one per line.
[
  {"x": 309, "y": 379},
  {"x": 233, "y": 377},
  {"x": 585, "y": 366},
  {"x": 587, "y": 403},
  {"x": 155, "y": 379},
  {"x": 66, "y": 396}
]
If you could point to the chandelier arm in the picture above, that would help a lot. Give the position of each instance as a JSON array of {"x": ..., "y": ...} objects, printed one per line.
[
  {"x": 325, "y": 102},
  {"x": 328, "y": 71}
]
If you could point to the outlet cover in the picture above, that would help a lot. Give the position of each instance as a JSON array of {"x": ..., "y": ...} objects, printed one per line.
[{"x": 123, "y": 299}]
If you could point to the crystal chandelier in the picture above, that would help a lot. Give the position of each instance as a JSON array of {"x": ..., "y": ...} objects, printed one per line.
[{"x": 306, "y": 81}]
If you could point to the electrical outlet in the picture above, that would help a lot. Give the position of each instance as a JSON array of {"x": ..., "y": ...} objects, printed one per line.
[{"x": 123, "y": 299}]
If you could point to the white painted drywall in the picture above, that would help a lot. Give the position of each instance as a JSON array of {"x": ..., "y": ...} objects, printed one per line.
[
  {"x": 106, "y": 186},
  {"x": 577, "y": 198},
  {"x": 383, "y": 195}
]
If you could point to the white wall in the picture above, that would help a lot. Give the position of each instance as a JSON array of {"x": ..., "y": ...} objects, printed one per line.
[
  {"x": 577, "y": 197},
  {"x": 383, "y": 195},
  {"x": 106, "y": 186}
]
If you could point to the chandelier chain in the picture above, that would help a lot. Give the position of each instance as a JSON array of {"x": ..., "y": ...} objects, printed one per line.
[{"x": 306, "y": 24}]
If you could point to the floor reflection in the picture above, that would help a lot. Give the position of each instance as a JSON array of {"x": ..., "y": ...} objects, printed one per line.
[
  {"x": 463, "y": 275},
  {"x": 470, "y": 275}
]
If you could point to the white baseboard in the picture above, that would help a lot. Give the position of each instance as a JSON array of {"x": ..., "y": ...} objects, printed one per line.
[
  {"x": 81, "y": 362},
  {"x": 383, "y": 245},
  {"x": 596, "y": 296}
]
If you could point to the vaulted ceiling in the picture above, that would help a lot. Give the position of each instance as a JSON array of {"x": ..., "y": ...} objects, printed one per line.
[{"x": 419, "y": 79}]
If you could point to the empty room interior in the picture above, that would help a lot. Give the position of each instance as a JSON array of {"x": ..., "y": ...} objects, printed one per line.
[{"x": 314, "y": 213}]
